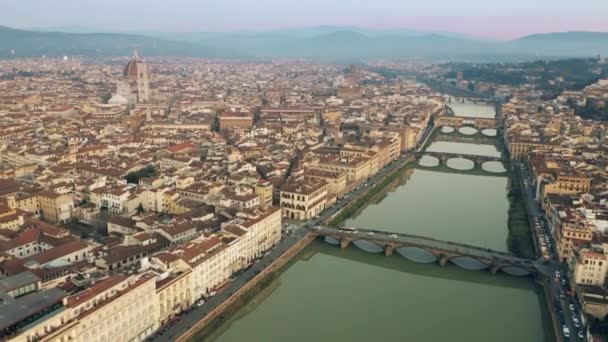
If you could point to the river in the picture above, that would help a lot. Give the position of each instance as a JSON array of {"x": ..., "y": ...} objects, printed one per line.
[{"x": 328, "y": 294}]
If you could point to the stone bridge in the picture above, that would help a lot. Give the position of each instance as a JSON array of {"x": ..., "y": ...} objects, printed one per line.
[
  {"x": 427, "y": 250},
  {"x": 462, "y": 121},
  {"x": 443, "y": 157}
]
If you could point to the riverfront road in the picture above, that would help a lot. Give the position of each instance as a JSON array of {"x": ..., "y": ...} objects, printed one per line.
[
  {"x": 559, "y": 302},
  {"x": 188, "y": 319}
]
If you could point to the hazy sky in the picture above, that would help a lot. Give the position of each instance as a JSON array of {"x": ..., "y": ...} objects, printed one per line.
[{"x": 488, "y": 18}]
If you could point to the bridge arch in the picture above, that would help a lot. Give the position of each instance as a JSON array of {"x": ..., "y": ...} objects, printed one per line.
[
  {"x": 460, "y": 163},
  {"x": 417, "y": 254},
  {"x": 489, "y": 132},
  {"x": 428, "y": 161},
  {"x": 447, "y": 129},
  {"x": 469, "y": 263},
  {"x": 468, "y": 130},
  {"x": 516, "y": 271},
  {"x": 332, "y": 240},
  {"x": 368, "y": 246},
  {"x": 493, "y": 166}
]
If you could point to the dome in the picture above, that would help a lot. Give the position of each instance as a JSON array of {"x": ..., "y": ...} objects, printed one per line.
[
  {"x": 130, "y": 69},
  {"x": 118, "y": 99}
]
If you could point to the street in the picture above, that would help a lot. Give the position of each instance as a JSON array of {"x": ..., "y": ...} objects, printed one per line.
[{"x": 560, "y": 300}]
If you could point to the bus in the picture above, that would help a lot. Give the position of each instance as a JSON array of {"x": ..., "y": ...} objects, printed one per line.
[{"x": 350, "y": 230}]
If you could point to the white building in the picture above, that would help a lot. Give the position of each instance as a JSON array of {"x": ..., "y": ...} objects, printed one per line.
[{"x": 590, "y": 268}]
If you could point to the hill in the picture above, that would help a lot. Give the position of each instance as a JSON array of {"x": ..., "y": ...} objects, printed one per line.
[
  {"x": 342, "y": 44},
  {"x": 37, "y": 43},
  {"x": 564, "y": 44}
]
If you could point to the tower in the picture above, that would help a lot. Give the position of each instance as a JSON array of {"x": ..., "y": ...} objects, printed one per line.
[{"x": 134, "y": 85}]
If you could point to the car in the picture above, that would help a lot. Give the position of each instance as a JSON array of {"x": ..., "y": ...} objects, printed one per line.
[
  {"x": 571, "y": 306},
  {"x": 370, "y": 234},
  {"x": 316, "y": 227},
  {"x": 581, "y": 335},
  {"x": 577, "y": 324},
  {"x": 200, "y": 302},
  {"x": 557, "y": 275},
  {"x": 565, "y": 331},
  {"x": 393, "y": 236}
]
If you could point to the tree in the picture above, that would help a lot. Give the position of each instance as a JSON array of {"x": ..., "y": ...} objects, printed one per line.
[{"x": 148, "y": 171}]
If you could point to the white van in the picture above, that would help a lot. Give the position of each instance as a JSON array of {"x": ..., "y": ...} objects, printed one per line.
[{"x": 566, "y": 331}]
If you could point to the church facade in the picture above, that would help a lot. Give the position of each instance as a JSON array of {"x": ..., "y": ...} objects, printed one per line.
[{"x": 134, "y": 85}]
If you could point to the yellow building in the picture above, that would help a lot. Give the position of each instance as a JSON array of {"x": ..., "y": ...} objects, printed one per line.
[
  {"x": 55, "y": 207},
  {"x": 118, "y": 308},
  {"x": 336, "y": 181},
  {"x": 174, "y": 295},
  {"x": 519, "y": 149},
  {"x": 569, "y": 235},
  {"x": 568, "y": 183},
  {"x": 357, "y": 169},
  {"x": 50, "y": 206},
  {"x": 264, "y": 189}
]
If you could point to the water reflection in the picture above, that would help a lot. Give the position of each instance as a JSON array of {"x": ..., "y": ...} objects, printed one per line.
[
  {"x": 489, "y": 132},
  {"x": 467, "y": 130},
  {"x": 468, "y": 108},
  {"x": 494, "y": 167},
  {"x": 428, "y": 161},
  {"x": 460, "y": 164},
  {"x": 447, "y": 129},
  {"x": 464, "y": 148}
]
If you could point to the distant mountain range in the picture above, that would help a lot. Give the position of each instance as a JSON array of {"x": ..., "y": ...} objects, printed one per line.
[
  {"x": 325, "y": 43},
  {"x": 22, "y": 43}
]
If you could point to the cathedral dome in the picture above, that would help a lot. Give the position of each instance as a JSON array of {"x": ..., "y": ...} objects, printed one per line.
[{"x": 130, "y": 69}]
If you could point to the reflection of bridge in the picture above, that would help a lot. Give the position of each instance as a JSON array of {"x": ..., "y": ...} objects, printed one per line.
[
  {"x": 478, "y": 139},
  {"x": 428, "y": 250},
  {"x": 443, "y": 157},
  {"x": 461, "y": 121}
]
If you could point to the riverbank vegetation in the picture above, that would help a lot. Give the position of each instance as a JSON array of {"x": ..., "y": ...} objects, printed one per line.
[
  {"x": 361, "y": 202},
  {"x": 520, "y": 240}
]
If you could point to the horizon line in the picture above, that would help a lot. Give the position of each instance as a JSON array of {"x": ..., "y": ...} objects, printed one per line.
[{"x": 91, "y": 30}]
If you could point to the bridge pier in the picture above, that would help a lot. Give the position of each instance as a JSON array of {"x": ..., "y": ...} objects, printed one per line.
[
  {"x": 494, "y": 268},
  {"x": 478, "y": 163},
  {"x": 344, "y": 243},
  {"x": 443, "y": 260},
  {"x": 388, "y": 250}
]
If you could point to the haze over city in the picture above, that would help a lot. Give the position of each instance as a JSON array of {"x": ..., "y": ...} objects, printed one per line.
[{"x": 480, "y": 18}]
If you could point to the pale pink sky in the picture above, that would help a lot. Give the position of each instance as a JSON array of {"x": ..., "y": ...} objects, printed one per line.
[{"x": 485, "y": 18}]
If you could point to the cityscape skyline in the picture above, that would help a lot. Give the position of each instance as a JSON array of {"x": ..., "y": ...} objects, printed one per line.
[
  {"x": 506, "y": 20},
  {"x": 280, "y": 170}
]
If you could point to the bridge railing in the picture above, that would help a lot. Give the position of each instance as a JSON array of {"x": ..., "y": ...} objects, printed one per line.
[
  {"x": 460, "y": 155},
  {"x": 385, "y": 234}
]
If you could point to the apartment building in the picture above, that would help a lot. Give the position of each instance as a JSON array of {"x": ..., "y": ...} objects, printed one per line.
[
  {"x": 302, "y": 200},
  {"x": 118, "y": 308},
  {"x": 590, "y": 267}
]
